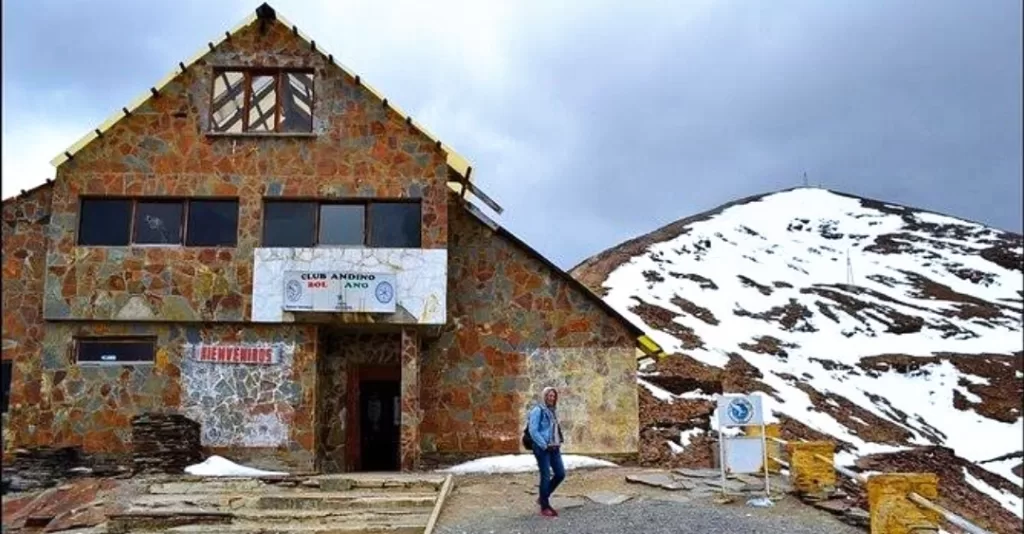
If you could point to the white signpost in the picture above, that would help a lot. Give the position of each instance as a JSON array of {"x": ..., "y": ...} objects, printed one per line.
[
  {"x": 742, "y": 454},
  {"x": 324, "y": 291}
]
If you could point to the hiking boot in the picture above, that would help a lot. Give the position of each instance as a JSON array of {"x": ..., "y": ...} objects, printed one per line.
[{"x": 549, "y": 512}]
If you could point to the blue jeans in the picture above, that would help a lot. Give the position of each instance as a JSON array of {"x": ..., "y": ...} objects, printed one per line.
[{"x": 549, "y": 460}]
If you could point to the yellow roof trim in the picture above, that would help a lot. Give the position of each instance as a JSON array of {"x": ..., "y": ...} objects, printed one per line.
[
  {"x": 456, "y": 161},
  {"x": 649, "y": 346}
]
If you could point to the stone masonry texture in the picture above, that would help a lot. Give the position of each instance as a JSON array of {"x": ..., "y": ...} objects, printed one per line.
[
  {"x": 515, "y": 327},
  {"x": 514, "y": 323},
  {"x": 24, "y": 262},
  {"x": 360, "y": 149}
]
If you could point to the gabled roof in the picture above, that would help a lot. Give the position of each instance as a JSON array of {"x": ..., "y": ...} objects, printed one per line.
[{"x": 456, "y": 162}]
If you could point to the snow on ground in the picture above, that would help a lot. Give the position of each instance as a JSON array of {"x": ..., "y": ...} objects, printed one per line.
[
  {"x": 218, "y": 466},
  {"x": 1009, "y": 501},
  {"x": 658, "y": 393},
  {"x": 800, "y": 243},
  {"x": 521, "y": 463},
  {"x": 686, "y": 436},
  {"x": 1004, "y": 468}
]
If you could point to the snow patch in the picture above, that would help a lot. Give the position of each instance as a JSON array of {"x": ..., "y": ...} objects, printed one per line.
[
  {"x": 218, "y": 466},
  {"x": 521, "y": 463},
  {"x": 686, "y": 436},
  {"x": 659, "y": 393},
  {"x": 1009, "y": 501}
]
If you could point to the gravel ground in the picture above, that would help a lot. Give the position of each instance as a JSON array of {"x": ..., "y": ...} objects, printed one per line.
[
  {"x": 652, "y": 517},
  {"x": 505, "y": 504}
]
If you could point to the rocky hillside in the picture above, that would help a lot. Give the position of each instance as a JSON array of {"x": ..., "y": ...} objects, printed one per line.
[{"x": 884, "y": 327}]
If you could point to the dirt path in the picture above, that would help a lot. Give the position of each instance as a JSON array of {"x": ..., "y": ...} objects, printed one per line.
[{"x": 506, "y": 504}]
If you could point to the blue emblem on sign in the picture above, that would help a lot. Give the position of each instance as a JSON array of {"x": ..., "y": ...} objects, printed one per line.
[
  {"x": 740, "y": 410},
  {"x": 384, "y": 292},
  {"x": 293, "y": 290}
]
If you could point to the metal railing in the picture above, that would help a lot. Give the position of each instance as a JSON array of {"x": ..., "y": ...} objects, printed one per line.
[{"x": 862, "y": 479}]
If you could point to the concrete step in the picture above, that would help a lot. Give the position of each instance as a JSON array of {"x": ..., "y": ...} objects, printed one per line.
[
  {"x": 340, "y": 500},
  {"x": 331, "y": 483},
  {"x": 262, "y": 528},
  {"x": 277, "y": 516},
  {"x": 288, "y": 500}
]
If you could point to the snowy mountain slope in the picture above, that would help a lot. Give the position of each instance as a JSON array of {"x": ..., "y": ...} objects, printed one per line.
[{"x": 882, "y": 326}]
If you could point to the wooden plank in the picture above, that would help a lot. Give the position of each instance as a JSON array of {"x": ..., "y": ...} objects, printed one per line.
[
  {"x": 484, "y": 198},
  {"x": 446, "y": 488}
]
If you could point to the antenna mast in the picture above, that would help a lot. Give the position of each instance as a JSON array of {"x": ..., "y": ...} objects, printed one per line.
[{"x": 849, "y": 268}]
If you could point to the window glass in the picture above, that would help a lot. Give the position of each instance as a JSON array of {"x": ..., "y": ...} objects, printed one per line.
[
  {"x": 116, "y": 350},
  {"x": 158, "y": 223},
  {"x": 263, "y": 104},
  {"x": 297, "y": 102},
  {"x": 395, "y": 224},
  {"x": 289, "y": 224},
  {"x": 5, "y": 382},
  {"x": 105, "y": 222},
  {"x": 342, "y": 224},
  {"x": 228, "y": 101},
  {"x": 212, "y": 223}
]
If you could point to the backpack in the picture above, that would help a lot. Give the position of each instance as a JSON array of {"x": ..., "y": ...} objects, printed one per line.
[{"x": 528, "y": 439}]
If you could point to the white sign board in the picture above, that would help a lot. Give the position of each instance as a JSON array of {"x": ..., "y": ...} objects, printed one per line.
[
  {"x": 739, "y": 410},
  {"x": 320, "y": 291},
  {"x": 744, "y": 454}
]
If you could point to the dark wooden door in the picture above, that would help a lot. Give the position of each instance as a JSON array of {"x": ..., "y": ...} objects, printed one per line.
[{"x": 379, "y": 424}]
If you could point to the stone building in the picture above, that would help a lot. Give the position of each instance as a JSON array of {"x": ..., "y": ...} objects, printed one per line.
[{"x": 267, "y": 245}]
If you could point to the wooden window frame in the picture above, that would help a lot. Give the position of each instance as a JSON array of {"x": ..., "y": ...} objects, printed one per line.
[
  {"x": 79, "y": 340},
  {"x": 279, "y": 75},
  {"x": 185, "y": 203},
  {"x": 365, "y": 203}
]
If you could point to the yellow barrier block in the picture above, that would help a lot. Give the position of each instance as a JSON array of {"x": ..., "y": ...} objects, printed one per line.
[
  {"x": 774, "y": 447},
  {"x": 812, "y": 475},
  {"x": 891, "y": 511}
]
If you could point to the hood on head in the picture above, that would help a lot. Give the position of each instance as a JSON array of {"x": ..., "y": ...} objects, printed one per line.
[{"x": 544, "y": 395}]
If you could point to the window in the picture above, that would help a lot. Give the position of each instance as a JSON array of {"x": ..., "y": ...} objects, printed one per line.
[
  {"x": 5, "y": 382},
  {"x": 289, "y": 224},
  {"x": 262, "y": 101},
  {"x": 342, "y": 224},
  {"x": 105, "y": 222},
  {"x": 115, "y": 350},
  {"x": 212, "y": 223},
  {"x": 158, "y": 222},
  {"x": 125, "y": 221},
  {"x": 393, "y": 224}
]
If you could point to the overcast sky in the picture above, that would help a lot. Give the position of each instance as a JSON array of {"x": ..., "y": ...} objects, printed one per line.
[{"x": 595, "y": 123}]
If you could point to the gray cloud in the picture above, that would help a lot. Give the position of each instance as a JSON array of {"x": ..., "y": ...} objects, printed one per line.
[{"x": 594, "y": 123}]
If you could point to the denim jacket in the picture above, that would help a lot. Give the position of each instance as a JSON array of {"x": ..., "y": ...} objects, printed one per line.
[{"x": 542, "y": 428}]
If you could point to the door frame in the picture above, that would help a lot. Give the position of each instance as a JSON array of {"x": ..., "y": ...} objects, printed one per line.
[{"x": 353, "y": 443}]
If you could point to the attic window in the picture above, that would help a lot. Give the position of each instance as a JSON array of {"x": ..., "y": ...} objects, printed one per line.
[{"x": 262, "y": 101}]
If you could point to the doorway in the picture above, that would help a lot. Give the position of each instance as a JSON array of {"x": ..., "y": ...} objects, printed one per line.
[{"x": 379, "y": 425}]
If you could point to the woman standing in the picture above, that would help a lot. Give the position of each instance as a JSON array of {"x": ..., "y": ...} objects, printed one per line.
[{"x": 547, "y": 447}]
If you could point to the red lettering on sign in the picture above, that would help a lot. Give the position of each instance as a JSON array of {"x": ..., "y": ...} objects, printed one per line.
[
  {"x": 314, "y": 284},
  {"x": 234, "y": 354}
]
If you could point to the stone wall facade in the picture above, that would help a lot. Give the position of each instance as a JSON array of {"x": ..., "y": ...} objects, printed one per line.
[
  {"x": 25, "y": 223},
  {"x": 519, "y": 325},
  {"x": 359, "y": 148},
  {"x": 505, "y": 323},
  {"x": 240, "y": 406}
]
